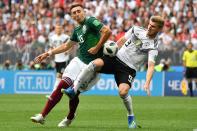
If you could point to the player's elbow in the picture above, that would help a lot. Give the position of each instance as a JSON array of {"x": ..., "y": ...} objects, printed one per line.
[
  {"x": 151, "y": 64},
  {"x": 106, "y": 30}
]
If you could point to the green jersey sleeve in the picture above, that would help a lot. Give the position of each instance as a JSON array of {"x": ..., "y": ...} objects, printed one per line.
[
  {"x": 74, "y": 36},
  {"x": 94, "y": 24}
]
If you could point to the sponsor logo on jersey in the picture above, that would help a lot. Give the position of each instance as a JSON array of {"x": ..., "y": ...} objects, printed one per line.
[
  {"x": 96, "y": 22},
  {"x": 138, "y": 42}
]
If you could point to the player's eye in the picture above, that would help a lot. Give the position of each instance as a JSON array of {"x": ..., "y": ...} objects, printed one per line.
[{"x": 78, "y": 11}]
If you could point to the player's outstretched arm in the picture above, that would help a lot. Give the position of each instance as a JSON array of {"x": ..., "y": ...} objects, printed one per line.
[
  {"x": 62, "y": 48},
  {"x": 149, "y": 76},
  {"x": 41, "y": 57}
]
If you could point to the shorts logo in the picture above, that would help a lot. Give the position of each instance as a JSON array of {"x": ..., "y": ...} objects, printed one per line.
[{"x": 130, "y": 79}]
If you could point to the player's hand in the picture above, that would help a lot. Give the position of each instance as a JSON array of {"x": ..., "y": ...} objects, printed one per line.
[
  {"x": 41, "y": 57},
  {"x": 93, "y": 50},
  {"x": 147, "y": 89}
]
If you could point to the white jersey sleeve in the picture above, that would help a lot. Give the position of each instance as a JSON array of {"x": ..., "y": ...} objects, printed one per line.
[
  {"x": 152, "y": 55},
  {"x": 129, "y": 33}
]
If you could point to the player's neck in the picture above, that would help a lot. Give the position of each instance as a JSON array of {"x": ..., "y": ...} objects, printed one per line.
[
  {"x": 151, "y": 36},
  {"x": 83, "y": 21}
]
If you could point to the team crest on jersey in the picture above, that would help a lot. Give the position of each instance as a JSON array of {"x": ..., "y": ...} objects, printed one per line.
[
  {"x": 138, "y": 42},
  {"x": 84, "y": 29}
]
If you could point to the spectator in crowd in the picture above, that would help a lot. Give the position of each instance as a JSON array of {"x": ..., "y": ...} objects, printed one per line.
[
  {"x": 7, "y": 65},
  {"x": 62, "y": 59},
  {"x": 190, "y": 64},
  {"x": 160, "y": 66},
  {"x": 167, "y": 65},
  {"x": 19, "y": 65},
  {"x": 31, "y": 65}
]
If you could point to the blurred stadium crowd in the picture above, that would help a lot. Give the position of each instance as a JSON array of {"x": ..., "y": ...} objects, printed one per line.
[{"x": 26, "y": 25}]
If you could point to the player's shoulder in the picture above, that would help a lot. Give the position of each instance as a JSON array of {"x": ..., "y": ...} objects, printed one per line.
[
  {"x": 53, "y": 36},
  {"x": 90, "y": 18},
  {"x": 64, "y": 35},
  {"x": 139, "y": 29}
]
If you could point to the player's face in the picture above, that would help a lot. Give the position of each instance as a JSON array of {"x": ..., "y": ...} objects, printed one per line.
[
  {"x": 153, "y": 29},
  {"x": 78, "y": 14},
  {"x": 58, "y": 29}
]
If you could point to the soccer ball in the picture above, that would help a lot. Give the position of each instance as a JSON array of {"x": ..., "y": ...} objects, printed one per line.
[{"x": 110, "y": 48}]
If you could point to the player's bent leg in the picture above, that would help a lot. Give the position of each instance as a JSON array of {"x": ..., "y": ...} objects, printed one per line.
[
  {"x": 56, "y": 95},
  {"x": 53, "y": 100},
  {"x": 82, "y": 81},
  {"x": 73, "y": 104},
  {"x": 126, "y": 98},
  {"x": 88, "y": 74}
]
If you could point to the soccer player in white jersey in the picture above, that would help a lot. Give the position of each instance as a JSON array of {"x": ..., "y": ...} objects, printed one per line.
[
  {"x": 61, "y": 59},
  {"x": 136, "y": 46}
]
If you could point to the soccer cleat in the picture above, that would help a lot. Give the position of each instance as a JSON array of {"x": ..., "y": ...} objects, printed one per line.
[
  {"x": 131, "y": 122},
  {"x": 69, "y": 92},
  {"x": 65, "y": 122},
  {"x": 38, "y": 118}
]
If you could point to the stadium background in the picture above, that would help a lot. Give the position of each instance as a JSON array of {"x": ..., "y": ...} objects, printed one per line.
[{"x": 25, "y": 28}]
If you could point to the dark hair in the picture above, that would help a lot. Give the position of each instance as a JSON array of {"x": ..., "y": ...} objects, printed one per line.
[{"x": 75, "y": 5}]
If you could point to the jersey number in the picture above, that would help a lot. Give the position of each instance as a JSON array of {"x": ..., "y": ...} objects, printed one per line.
[
  {"x": 81, "y": 40},
  {"x": 130, "y": 79},
  {"x": 128, "y": 43}
]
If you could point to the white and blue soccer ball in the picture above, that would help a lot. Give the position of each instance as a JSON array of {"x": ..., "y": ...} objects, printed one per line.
[{"x": 110, "y": 48}]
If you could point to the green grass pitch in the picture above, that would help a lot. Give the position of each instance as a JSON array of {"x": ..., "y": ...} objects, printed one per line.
[{"x": 100, "y": 113}]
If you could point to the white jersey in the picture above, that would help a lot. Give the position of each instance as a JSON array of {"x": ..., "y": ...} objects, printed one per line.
[
  {"x": 138, "y": 48},
  {"x": 57, "y": 40}
]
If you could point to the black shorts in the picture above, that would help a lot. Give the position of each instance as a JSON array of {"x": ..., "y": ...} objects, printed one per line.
[
  {"x": 191, "y": 73},
  {"x": 60, "y": 66},
  {"x": 122, "y": 72}
]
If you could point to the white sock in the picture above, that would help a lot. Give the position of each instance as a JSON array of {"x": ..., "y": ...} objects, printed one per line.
[
  {"x": 84, "y": 77},
  {"x": 128, "y": 104},
  {"x": 57, "y": 81}
]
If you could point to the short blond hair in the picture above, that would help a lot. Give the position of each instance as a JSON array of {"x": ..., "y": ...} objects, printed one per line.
[{"x": 159, "y": 20}]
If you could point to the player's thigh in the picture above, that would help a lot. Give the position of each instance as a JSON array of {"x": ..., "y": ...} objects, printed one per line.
[
  {"x": 124, "y": 77},
  {"x": 109, "y": 65},
  {"x": 74, "y": 68},
  {"x": 92, "y": 82}
]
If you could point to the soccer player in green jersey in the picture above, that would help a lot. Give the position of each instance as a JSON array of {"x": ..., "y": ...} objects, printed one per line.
[{"x": 90, "y": 34}]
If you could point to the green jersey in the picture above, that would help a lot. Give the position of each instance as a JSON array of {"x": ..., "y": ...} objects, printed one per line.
[{"x": 87, "y": 35}]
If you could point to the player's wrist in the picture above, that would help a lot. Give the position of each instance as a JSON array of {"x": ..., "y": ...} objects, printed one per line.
[{"x": 50, "y": 53}]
